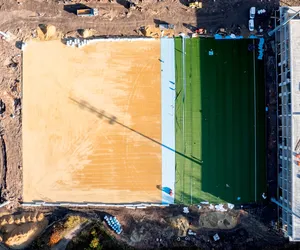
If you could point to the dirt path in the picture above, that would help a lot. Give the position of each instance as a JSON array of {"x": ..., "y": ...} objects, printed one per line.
[{"x": 62, "y": 244}]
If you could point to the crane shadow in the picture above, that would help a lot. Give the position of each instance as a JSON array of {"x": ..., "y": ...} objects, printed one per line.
[{"x": 113, "y": 120}]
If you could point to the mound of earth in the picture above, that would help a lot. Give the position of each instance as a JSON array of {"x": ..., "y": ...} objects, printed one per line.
[
  {"x": 22, "y": 235},
  {"x": 144, "y": 231},
  {"x": 85, "y": 33},
  {"x": 20, "y": 229},
  {"x": 20, "y": 218},
  {"x": 180, "y": 223},
  {"x": 155, "y": 32},
  {"x": 46, "y": 32},
  {"x": 218, "y": 220}
]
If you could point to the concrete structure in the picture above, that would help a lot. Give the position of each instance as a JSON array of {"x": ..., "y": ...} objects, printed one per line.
[{"x": 288, "y": 79}]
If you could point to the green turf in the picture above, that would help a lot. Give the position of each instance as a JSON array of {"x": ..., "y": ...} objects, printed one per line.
[{"x": 215, "y": 122}]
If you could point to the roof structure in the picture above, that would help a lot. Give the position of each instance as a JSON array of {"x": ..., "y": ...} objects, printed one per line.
[
  {"x": 288, "y": 79},
  {"x": 295, "y": 90}
]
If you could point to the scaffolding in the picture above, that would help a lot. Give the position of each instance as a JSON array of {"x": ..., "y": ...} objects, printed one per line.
[{"x": 287, "y": 135}]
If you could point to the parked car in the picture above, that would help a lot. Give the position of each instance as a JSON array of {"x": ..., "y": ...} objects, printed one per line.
[
  {"x": 251, "y": 24},
  {"x": 252, "y": 12}
]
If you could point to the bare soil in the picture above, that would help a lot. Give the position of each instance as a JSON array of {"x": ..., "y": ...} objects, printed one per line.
[
  {"x": 20, "y": 229},
  {"x": 154, "y": 228}
]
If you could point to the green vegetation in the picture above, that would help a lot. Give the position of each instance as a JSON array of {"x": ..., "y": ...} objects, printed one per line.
[
  {"x": 74, "y": 220},
  {"x": 61, "y": 229},
  {"x": 57, "y": 232},
  {"x": 96, "y": 237},
  {"x": 95, "y": 243},
  {"x": 215, "y": 122}
]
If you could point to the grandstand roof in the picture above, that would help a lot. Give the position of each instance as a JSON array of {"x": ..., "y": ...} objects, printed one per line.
[{"x": 295, "y": 95}]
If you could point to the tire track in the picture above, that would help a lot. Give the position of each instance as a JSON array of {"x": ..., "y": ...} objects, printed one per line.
[{"x": 3, "y": 161}]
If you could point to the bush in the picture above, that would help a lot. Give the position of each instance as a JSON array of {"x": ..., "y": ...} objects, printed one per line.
[
  {"x": 93, "y": 232},
  {"x": 61, "y": 228},
  {"x": 95, "y": 244},
  {"x": 55, "y": 238},
  {"x": 73, "y": 221}
]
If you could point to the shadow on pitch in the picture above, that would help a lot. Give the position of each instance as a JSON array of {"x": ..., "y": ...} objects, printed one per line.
[{"x": 113, "y": 120}]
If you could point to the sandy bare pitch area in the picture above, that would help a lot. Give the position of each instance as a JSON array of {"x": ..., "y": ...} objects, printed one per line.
[{"x": 88, "y": 116}]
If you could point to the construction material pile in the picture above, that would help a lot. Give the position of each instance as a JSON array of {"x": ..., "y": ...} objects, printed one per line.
[
  {"x": 76, "y": 42},
  {"x": 113, "y": 223}
]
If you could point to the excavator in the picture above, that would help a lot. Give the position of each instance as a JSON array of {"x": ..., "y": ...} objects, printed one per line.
[{"x": 195, "y": 4}]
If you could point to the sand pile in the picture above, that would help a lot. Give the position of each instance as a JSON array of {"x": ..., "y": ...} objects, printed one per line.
[
  {"x": 21, "y": 236},
  {"x": 47, "y": 32},
  {"x": 21, "y": 218},
  {"x": 86, "y": 32},
  {"x": 155, "y": 32},
  {"x": 18, "y": 231},
  {"x": 181, "y": 224}
]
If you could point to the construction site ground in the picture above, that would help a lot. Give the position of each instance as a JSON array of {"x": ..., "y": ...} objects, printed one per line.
[
  {"x": 20, "y": 19},
  {"x": 154, "y": 228}
]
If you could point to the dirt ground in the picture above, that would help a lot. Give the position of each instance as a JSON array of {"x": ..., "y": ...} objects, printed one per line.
[
  {"x": 20, "y": 229},
  {"x": 88, "y": 115},
  {"x": 166, "y": 228}
]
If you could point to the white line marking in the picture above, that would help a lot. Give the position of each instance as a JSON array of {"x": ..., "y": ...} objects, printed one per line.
[
  {"x": 183, "y": 98},
  {"x": 184, "y": 90}
]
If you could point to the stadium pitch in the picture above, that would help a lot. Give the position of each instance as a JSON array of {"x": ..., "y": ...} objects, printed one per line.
[
  {"x": 91, "y": 122},
  {"x": 220, "y": 121}
]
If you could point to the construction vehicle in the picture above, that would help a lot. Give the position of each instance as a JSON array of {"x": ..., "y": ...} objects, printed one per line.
[
  {"x": 195, "y": 4},
  {"x": 198, "y": 32},
  {"x": 87, "y": 12},
  {"x": 201, "y": 31}
]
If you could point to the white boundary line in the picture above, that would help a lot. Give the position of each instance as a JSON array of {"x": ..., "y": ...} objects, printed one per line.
[
  {"x": 183, "y": 99},
  {"x": 184, "y": 89},
  {"x": 255, "y": 132},
  {"x": 191, "y": 176}
]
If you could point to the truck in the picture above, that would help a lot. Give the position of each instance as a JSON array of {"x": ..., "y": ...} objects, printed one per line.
[{"x": 87, "y": 12}]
